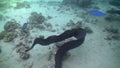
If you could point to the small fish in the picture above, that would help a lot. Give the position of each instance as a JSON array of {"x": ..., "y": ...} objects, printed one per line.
[
  {"x": 24, "y": 26},
  {"x": 97, "y": 13}
]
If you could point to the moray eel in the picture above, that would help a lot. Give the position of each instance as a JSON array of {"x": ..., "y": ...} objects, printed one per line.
[{"x": 78, "y": 33}]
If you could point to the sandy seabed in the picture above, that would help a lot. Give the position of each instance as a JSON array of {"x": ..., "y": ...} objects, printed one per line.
[{"x": 95, "y": 52}]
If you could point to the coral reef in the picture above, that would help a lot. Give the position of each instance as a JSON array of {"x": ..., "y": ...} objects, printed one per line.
[
  {"x": 112, "y": 30},
  {"x": 1, "y": 17},
  {"x": 48, "y": 26},
  {"x": 23, "y": 4},
  {"x": 81, "y": 3},
  {"x": 84, "y": 3},
  {"x": 69, "y": 1},
  {"x": 11, "y": 25},
  {"x": 24, "y": 55},
  {"x": 2, "y": 34},
  {"x": 113, "y": 15},
  {"x": 69, "y": 25},
  {"x": 115, "y": 3},
  {"x": 112, "y": 33},
  {"x": 10, "y": 30},
  {"x": 20, "y": 48},
  {"x": 113, "y": 11},
  {"x": 112, "y": 18},
  {"x": 9, "y": 37},
  {"x": 36, "y": 19}
]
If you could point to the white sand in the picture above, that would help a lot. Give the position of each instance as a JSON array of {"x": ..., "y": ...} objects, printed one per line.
[{"x": 95, "y": 52}]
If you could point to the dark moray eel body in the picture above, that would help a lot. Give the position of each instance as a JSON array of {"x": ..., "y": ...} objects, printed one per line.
[{"x": 78, "y": 33}]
